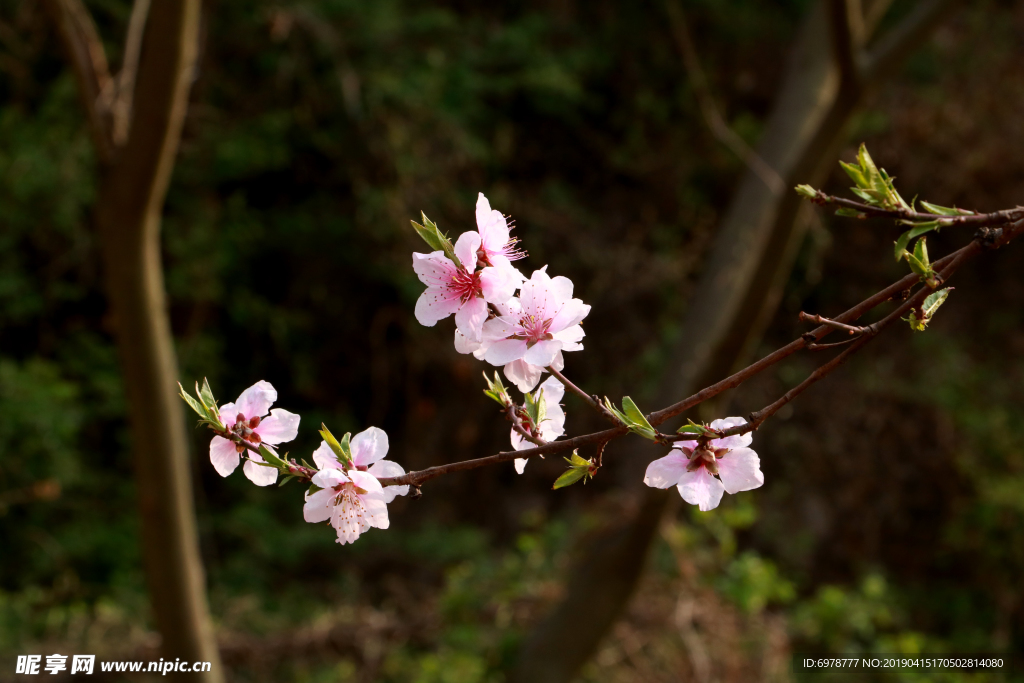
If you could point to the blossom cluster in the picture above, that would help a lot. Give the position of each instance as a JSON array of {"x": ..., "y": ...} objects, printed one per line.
[{"x": 521, "y": 325}]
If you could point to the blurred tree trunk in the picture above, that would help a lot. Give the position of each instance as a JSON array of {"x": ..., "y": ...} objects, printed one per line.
[
  {"x": 827, "y": 77},
  {"x": 137, "y": 124}
]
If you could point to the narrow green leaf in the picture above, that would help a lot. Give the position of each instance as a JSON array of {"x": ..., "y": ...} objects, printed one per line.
[
  {"x": 192, "y": 403},
  {"x": 207, "y": 394},
  {"x": 921, "y": 253},
  {"x": 916, "y": 265},
  {"x": 429, "y": 236},
  {"x": 855, "y": 174},
  {"x": 272, "y": 459},
  {"x": 692, "y": 428},
  {"x": 313, "y": 488},
  {"x": 945, "y": 210},
  {"x": 286, "y": 479},
  {"x": 916, "y": 231},
  {"x": 569, "y": 477},
  {"x": 334, "y": 445},
  {"x": 638, "y": 423},
  {"x": 850, "y": 213},
  {"x": 576, "y": 460}
]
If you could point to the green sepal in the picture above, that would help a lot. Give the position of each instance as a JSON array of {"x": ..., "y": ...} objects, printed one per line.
[
  {"x": 536, "y": 407},
  {"x": 313, "y": 488},
  {"x": 579, "y": 468},
  {"x": 945, "y": 210},
  {"x": 638, "y": 422},
  {"x": 434, "y": 238},
  {"x": 806, "y": 191},
  {"x": 344, "y": 454},
  {"x": 497, "y": 391},
  {"x": 916, "y": 231}
]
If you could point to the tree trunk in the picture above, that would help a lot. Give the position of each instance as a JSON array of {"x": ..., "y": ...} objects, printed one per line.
[
  {"x": 737, "y": 295},
  {"x": 128, "y": 213}
]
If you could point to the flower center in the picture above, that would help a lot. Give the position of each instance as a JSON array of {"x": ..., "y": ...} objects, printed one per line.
[
  {"x": 465, "y": 284},
  {"x": 244, "y": 428},
  {"x": 704, "y": 457},
  {"x": 534, "y": 330}
]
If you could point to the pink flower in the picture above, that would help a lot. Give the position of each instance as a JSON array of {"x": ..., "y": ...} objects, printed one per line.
[
  {"x": 368, "y": 450},
  {"x": 462, "y": 289},
  {"x": 247, "y": 418},
  {"x": 519, "y": 372},
  {"x": 544, "y": 322},
  {"x": 552, "y": 427},
  {"x": 693, "y": 470},
  {"x": 496, "y": 247},
  {"x": 353, "y": 501}
]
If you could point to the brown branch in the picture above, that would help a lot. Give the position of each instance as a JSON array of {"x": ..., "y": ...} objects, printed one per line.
[
  {"x": 591, "y": 400},
  {"x": 948, "y": 265},
  {"x": 976, "y": 220},
  {"x": 84, "y": 51},
  {"x": 702, "y": 91},
  {"x": 852, "y": 329},
  {"x": 124, "y": 92},
  {"x": 518, "y": 427}
]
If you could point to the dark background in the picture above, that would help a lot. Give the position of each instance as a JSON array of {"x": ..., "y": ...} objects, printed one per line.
[{"x": 892, "y": 517}]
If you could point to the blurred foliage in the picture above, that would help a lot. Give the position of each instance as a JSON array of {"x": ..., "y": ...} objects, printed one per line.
[{"x": 893, "y": 513}]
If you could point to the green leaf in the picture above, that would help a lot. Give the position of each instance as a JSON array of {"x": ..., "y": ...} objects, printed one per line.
[
  {"x": 616, "y": 412},
  {"x": 343, "y": 454},
  {"x": 945, "y": 210},
  {"x": 286, "y": 479},
  {"x": 576, "y": 460},
  {"x": 313, "y": 488},
  {"x": 638, "y": 423},
  {"x": 272, "y": 459},
  {"x": 918, "y": 230},
  {"x": 806, "y": 191},
  {"x": 855, "y": 174},
  {"x": 850, "y": 213},
  {"x": 434, "y": 238},
  {"x": 192, "y": 403},
  {"x": 207, "y": 395},
  {"x": 429, "y": 236},
  {"x": 934, "y": 300},
  {"x": 692, "y": 428},
  {"x": 917, "y": 266},
  {"x": 497, "y": 391},
  {"x": 569, "y": 477}
]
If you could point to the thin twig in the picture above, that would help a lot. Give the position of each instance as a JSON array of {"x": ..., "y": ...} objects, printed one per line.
[
  {"x": 852, "y": 329},
  {"x": 518, "y": 427},
  {"x": 976, "y": 220},
  {"x": 591, "y": 400}
]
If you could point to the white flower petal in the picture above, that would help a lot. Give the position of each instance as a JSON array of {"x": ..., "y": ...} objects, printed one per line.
[
  {"x": 223, "y": 455},
  {"x": 520, "y": 464},
  {"x": 369, "y": 446},
  {"x": 387, "y": 468},
  {"x": 434, "y": 269},
  {"x": 543, "y": 353},
  {"x": 365, "y": 481},
  {"x": 259, "y": 474},
  {"x": 667, "y": 471},
  {"x": 570, "y": 314},
  {"x": 740, "y": 470},
  {"x": 737, "y": 441},
  {"x": 329, "y": 477},
  {"x": 499, "y": 284},
  {"x": 505, "y": 351},
  {"x": 562, "y": 287},
  {"x": 318, "y": 506},
  {"x": 256, "y": 400},
  {"x": 282, "y": 425},
  {"x": 523, "y": 375},
  {"x": 464, "y": 344},
  {"x": 700, "y": 488},
  {"x": 376, "y": 510}
]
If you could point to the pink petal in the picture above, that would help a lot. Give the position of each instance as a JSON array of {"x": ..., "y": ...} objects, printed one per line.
[
  {"x": 569, "y": 314},
  {"x": 559, "y": 362},
  {"x": 667, "y": 471},
  {"x": 324, "y": 457},
  {"x": 499, "y": 284},
  {"x": 562, "y": 287},
  {"x": 282, "y": 425},
  {"x": 329, "y": 477},
  {"x": 737, "y": 441},
  {"x": 492, "y": 225},
  {"x": 740, "y": 470},
  {"x": 256, "y": 400},
  {"x": 570, "y": 338},
  {"x": 496, "y": 329},
  {"x": 523, "y": 375},
  {"x": 505, "y": 351},
  {"x": 470, "y": 318},
  {"x": 436, "y": 304},
  {"x": 537, "y": 298},
  {"x": 365, "y": 481},
  {"x": 376, "y": 509},
  {"x": 223, "y": 455},
  {"x": 700, "y": 488},
  {"x": 520, "y": 464},
  {"x": 369, "y": 446},
  {"x": 318, "y": 506},
  {"x": 258, "y": 474},
  {"x": 434, "y": 269},
  {"x": 465, "y": 249},
  {"x": 543, "y": 353},
  {"x": 383, "y": 469},
  {"x": 463, "y": 344}
]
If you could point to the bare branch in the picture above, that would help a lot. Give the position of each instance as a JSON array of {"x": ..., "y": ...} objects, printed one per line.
[
  {"x": 719, "y": 128},
  {"x": 591, "y": 400},
  {"x": 121, "y": 106},
  {"x": 81, "y": 42},
  {"x": 972, "y": 219}
]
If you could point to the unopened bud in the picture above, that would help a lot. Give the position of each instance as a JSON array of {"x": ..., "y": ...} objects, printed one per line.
[
  {"x": 254, "y": 422},
  {"x": 240, "y": 418}
]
